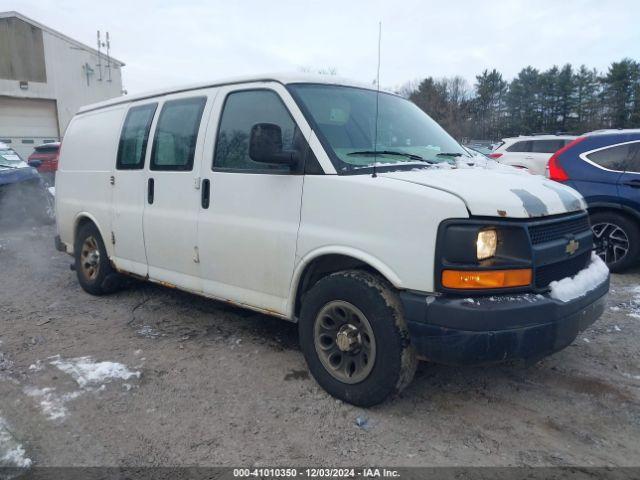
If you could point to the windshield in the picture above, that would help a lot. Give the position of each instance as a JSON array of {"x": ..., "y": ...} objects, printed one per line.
[
  {"x": 9, "y": 158},
  {"x": 344, "y": 119}
]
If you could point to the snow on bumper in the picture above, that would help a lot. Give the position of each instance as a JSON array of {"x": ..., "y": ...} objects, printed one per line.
[{"x": 580, "y": 284}]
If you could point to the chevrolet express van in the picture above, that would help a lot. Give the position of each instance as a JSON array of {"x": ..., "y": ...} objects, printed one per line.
[{"x": 346, "y": 210}]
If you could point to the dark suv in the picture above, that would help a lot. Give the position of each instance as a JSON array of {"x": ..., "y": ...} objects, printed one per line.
[{"x": 604, "y": 167}]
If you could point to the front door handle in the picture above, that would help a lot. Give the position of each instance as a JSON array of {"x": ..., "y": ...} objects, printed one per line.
[
  {"x": 150, "y": 190},
  {"x": 206, "y": 193},
  {"x": 633, "y": 183}
]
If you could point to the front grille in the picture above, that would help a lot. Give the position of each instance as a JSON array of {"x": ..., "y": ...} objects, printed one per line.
[
  {"x": 552, "y": 231},
  {"x": 559, "y": 270}
]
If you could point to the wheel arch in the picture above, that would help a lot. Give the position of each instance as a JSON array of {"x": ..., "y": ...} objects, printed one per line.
[
  {"x": 615, "y": 207},
  {"x": 82, "y": 219},
  {"x": 325, "y": 261}
]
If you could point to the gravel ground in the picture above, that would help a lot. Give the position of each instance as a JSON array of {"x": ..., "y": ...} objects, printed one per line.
[{"x": 192, "y": 381}]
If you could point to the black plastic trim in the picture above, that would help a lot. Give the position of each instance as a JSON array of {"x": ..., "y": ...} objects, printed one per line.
[{"x": 478, "y": 330}]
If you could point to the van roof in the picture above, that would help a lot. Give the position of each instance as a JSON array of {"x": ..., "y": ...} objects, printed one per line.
[{"x": 284, "y": 79}]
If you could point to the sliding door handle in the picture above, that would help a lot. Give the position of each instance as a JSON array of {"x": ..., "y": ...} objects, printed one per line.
[
  {"x": 150, "y": 190},
  {"x": 205, "y": 193}
]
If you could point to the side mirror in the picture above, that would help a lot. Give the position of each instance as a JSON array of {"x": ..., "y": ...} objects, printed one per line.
[
  {"x": 35, "y": 163},
  {"x": 265, "y": 145}
]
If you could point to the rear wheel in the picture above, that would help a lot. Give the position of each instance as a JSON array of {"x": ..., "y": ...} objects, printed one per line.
[
  {"x": 354, "y": 338},
  {"x": 94, "y": 271},
  {"x": 616, "y": 238}
]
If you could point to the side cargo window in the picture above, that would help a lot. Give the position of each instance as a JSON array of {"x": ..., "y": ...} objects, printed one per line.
[
  {"x": 241, "y": 111},
  {"x": 134, "y": 137},
  {"x": 174, "y": 143}
]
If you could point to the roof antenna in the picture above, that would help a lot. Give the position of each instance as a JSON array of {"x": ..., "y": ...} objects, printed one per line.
[{"x": 375, "y": 137}]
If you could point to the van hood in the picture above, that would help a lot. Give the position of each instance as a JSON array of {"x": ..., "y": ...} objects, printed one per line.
[{"x": 497, "y": 191}]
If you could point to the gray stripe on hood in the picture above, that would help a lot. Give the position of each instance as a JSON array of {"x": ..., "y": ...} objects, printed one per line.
[
  {"x": 570, "y": 201},
  {"x": 532, "y": 204}
]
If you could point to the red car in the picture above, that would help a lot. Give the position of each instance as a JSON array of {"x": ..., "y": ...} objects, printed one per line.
[{"x": 45, "y": 159}]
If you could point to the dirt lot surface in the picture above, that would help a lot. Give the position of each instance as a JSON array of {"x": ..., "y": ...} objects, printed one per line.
[{"x": 173, "y": 379}]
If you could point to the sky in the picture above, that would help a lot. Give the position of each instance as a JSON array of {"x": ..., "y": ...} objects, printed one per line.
[{"x": 166, "y": 43}]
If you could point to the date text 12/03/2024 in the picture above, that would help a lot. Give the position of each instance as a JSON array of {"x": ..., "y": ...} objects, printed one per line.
[{"x": 316, "y": 472}]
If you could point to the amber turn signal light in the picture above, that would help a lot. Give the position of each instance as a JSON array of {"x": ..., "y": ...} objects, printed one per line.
[{"x": 486, "y": 279}]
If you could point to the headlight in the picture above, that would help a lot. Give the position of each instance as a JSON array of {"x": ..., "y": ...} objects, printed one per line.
[{"x": 486, "y": 244}]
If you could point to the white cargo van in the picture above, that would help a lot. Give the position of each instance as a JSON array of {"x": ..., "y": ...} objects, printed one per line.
[{"x": 273, "y": 194}]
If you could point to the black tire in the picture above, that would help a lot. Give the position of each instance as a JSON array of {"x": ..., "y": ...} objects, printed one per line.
[
  {"x": 394, "y": 362},
  {"x": 45, "y": 208},
  {"x": 604, "y": 224},
  {"x": 104, "y": 280}
]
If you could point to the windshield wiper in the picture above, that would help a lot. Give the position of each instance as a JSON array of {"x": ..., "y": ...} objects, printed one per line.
[
  {"x": 8, "y": 166},
  {"x": 392, "y": 152},
  {"x": 449, "y": 154}
]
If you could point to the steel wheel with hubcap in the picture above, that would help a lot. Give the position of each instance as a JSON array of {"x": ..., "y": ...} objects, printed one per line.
[
  {"x": 95, "y": 273},
  {"x": 90, "y": 258},
  {"x": 354, "y": 337},
  {"x": 344, "y": 341}
]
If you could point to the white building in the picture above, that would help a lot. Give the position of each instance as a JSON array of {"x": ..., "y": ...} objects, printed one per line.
[{"x": 45, "y": 77}]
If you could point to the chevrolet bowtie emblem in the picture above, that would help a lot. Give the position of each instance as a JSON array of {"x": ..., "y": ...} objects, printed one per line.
[{"x": 572, "y": 247}]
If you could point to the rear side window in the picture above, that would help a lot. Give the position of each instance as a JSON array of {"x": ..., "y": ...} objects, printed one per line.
[
  {"x": 517, "y": 147},
  {"x": 134, "y": 136},
  {"x": 242, "y": 110},
  {"x": 546, "y": 146},
  {"x": 617, "y": 157},
  {"x": 174, "y": 143}
]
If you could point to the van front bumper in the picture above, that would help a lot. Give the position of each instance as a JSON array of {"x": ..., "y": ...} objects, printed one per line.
[{"x": 488, "y": 329}]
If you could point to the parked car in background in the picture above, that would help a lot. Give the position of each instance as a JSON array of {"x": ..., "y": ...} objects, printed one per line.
[
  {"x": 400, "y": 245},
  {"x": 45, "y": 159},
  {"x": 480, "y": 148},
  {"x": 23, "y": 194},
  {"x": 530, "y": 152},
  {"x": 604, "y": 167}
]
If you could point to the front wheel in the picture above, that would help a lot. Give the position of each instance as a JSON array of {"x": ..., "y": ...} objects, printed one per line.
[
  {"x": 616, "y": 238},
  {"x": 354, "y": 338}
]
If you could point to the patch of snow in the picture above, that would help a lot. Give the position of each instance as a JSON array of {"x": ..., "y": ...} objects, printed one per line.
[
  {"x": 586, "y": 340},
  {"x": 617, "y": 328},
  {"x": 628, "y": 375},
  {"x": 525, "y": 297},
  {"x": 148, "y": 331},
  {"x": 12, "y": 454},
  {"x": 614, "y": 309},
  {"x": 36, "y": 367},
  {"x": 85, "y": 371},
  {"x": 52, "y": 405},
  {"x": 583, "y": 282}
]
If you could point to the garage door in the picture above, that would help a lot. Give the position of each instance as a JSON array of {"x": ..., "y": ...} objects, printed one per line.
[{"x": 25, "y": 123}]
